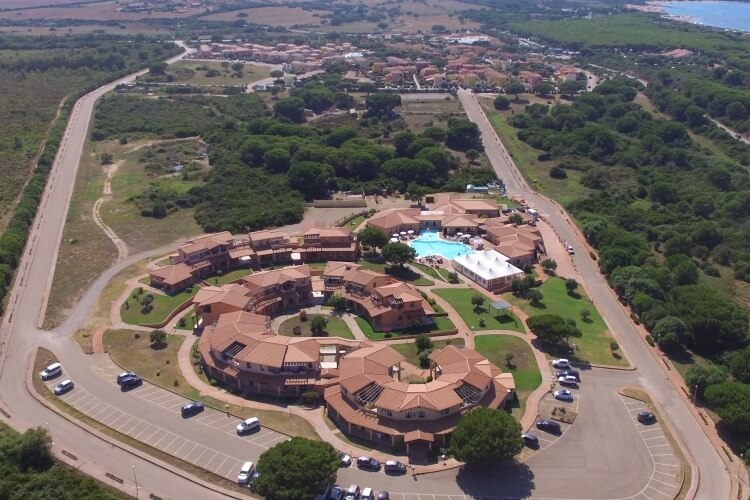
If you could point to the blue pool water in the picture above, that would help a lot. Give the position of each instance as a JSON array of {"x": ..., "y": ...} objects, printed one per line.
[
  {"x": 430, "y": 243},
  {"x": 731, "y": 15}
]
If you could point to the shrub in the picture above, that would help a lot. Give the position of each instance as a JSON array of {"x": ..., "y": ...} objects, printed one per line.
[
  {"x": 387, "y": 335},
  {"x": 650, "y": 340},
  {"x": 424, "y": 359},
  {"x": 613, "y": 346},
  {"x": 213, "y": 382},
  {"x": 557, "y": 173},
  {"x": 137, "y": 335},
  {"x": 176, "y": 382}
]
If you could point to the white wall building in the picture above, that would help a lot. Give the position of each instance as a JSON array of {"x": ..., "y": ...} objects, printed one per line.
[{"x": 488, "y": 268}]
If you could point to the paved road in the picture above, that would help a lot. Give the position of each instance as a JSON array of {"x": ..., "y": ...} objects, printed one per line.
[{"x": 715, "y": 481}]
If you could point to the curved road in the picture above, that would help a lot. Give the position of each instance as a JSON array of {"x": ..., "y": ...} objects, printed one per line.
[{"x": 715, "y": 480}]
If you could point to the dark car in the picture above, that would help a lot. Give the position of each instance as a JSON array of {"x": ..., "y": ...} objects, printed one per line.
[
  {"x": 344, "y": 460},
  {"x": 549, "y": 426},
  {"x": 192, "y": 408},
  {"x": 394, "y": 467},
  {"x": 569, "y": 373},
  {"x": 530, "y": 440},
  {"x": 63, "y": 387},
  {"x": 384, "y": 495},
  {"x": 130, "y": 382},
  {"x": 368, "y": 463},
  {"x": 646, "y": 417},
  {"x": 123, "y": 376}
]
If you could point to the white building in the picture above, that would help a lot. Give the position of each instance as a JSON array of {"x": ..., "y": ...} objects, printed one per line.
[{"x": 488, "y": 268}]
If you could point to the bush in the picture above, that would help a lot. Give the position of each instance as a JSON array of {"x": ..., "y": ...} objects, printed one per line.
[
  {"x": 557, "y": 173},
  {"x": 650, "y": 340},
  {"x": 613, "y": 346},
  {"x": 137, "y": 335},
  {"x": 309, "y": 397},
  {"x": 213, "y": 382},
  {"x": 424, "y": 359}
]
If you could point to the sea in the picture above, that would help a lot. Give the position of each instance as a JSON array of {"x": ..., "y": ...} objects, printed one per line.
[{"x": 729, "y": 15}]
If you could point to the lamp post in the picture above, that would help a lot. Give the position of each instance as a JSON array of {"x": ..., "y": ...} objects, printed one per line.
[
  {"x": 739, "y": 467},
  {"x": 136, "y": 482},
  {"x": 695, "y": 394}
]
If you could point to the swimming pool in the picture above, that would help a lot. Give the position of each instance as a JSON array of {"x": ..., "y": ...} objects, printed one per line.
[{"x": 430, "y": 243}]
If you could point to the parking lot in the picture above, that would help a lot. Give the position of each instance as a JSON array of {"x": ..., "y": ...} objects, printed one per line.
[{"x": 216, "y": 459}]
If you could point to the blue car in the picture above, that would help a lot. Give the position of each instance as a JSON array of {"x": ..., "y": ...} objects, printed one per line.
[{"x": 192, "y": 408}]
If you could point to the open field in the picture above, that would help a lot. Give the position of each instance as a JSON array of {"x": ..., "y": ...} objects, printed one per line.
[
  {"x": 133, "y": 312},
  {"x": 99, "y": 11},
  {"x": 420, "y": 114},
  {"x": 460, "y": 299},
  {"x": 398, "y": 272},
  {"x": 523, "y": 365},
  {"x": 441, "y": 324},
  {"x": 594, "y": 345},
  {"x": 336, "y": 327},
  {"x": 199, "y": 73},
  {"x": 274, "y": 16}
]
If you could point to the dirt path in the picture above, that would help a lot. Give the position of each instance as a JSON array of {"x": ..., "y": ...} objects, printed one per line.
[{"x": 122, "y": 248}]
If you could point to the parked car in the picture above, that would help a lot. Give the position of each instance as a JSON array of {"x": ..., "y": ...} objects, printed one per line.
[
  {"x": 367, "y": 494},
  {"x": 368, "y": 463},
  {"x": 345, "y": 459},
  {"x": 563, "y": 395},
  {"x": 567, "y": 380},
  {"x": 352, "y": 493},
  {"x": 394, "y": 467},
  {"x": 384, "y": 495},
  {"x": 245, "y": 472},
  {"x": 52, "y": 371},
  {"x": 571, "y": 250},
  {"x": 336, "y": 493},
  {"x": 130, "y": 382},
  {"x": 530, "y": 440},
  {"x": 561, "y": 363},
  {"x": 248, "y": 425},
  {"x": 646, "y": 417},
  {"x": 569, "y": 373},
  {"x": 123, "y": 376},
  {"x": 63, "y": 387},
  {"x": 192, "y": 408},
  {"x": 549, "y": 426}
]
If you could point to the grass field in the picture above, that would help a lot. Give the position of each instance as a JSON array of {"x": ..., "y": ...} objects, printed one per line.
[
  {"x": 199, "y": 73},
  {"x": 441, "y": 324},
  {"x": 229, "y": 277},
  {"x": 525, "y": 371},
  {"x": 274, "y": 16},
  {"x": 355, "y": 222},
  {"x": 594, "y": 345},
  {"x": 163, "y": 305},
  {"x": 460, "y": 299},
  {"x": 336, "y": 327},
  {"x": 442, "y": 275},
  {"x": 409, "y": 351}
]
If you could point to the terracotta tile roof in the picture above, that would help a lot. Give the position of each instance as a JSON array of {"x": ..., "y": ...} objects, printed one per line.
[
  {"x": 232, "y": 295},
  {"x": 361, "y": 277},
  {"x": 394, "y": 217},
  {"x": 276, "y": 276},
  {"x": 328, "y": 232},
  {"x": 172, "y": 275},
  {"x": 268, "y": 234},
  {"x": 460, "y": 221},
  {"x": 339, "y": 269},
  {"x": 475, "y": 204},
  {"x": 206, "y": 242}
]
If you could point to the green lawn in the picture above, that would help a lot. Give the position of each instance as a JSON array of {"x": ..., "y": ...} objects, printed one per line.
[
  {"x": 336, "y": 327},
  {"x": 524, "y": 368},
  {"x": 163, "y": 305},
  {"x": 460, "y": 299},
  {"x": 442, "y": 275},
  {"x": 441, "y": 324},
  {"x": 409, "y": 351},
  {"x": 355, "y": 222},
  {"x": 398, "y": 272},
  {"x": 223, "y": 279},
  {"x": 594, "y": 345},
  {"x": 189, "y": 322}
]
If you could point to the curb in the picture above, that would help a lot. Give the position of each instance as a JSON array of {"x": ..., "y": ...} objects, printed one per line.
[{"x": 115, "y": 442}]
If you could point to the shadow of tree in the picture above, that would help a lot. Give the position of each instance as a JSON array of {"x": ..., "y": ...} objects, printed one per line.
[{"x": 513, "y": 479}]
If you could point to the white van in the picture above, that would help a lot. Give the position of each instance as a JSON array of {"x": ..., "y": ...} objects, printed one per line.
[
  {"x": 52, "y": 371},
  {"x": 248, "y": 425}
]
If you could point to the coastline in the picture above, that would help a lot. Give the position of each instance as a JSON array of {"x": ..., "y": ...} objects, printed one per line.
[{"x": 658, "y": 7}]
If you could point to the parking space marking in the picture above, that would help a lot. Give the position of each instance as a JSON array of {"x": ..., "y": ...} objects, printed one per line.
[
  {"x": 660, "y": 492},
  {"x": 226, "y": 457},
  {"x": 107, "y": 408},
  {"x": 123, "y": 423},
  {"x": 218, "y": 458},
  {"x": 177, "y": 453},
  {"x": 201, "y": 454},
  {"x": 180, "y": 441},
  {"x": 171, "y": 401},
  {"x": 148, "y": 426},
  {"x": 655, "y": 437},
  {"x": 165, "y": 436},
  {"x": 112, "y": 416}
]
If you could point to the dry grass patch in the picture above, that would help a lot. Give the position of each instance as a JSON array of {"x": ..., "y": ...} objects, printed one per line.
[{"x": 274, "y": 16}]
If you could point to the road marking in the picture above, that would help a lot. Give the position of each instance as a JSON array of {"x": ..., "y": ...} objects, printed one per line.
[
  {"x": 166, "y": 435},
  {"x": 655, "y": 437},
  {"x": 658, "y": 446},
  {"x": 125, "y": 423},
  {"x": 180, "y": 441},
  {"x": 226, "y": 457},
  {"x": 199, "y": 456},
  {"x": 176, "y": 453},
  {"x": 95, "y": 416},
  {"x": 148, "y": 426},
  {"x": 660, "y": 492}
]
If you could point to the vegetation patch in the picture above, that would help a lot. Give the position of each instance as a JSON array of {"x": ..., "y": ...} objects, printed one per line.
[
  {"x": 411, "y": 352},
  {"x": 334, "y": 327},
  {"x": 149, "y": 308},
  {"x": 479, "y": 316},
  {"x": 441, "y": 324},
  {"x": 515, "y": 356}
]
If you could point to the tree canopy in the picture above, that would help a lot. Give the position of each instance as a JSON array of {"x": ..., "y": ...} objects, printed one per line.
[
  {"x": 398, "y": 253},
  {"x": 553, "y": 328},
  {"x": 297, "y": 469},
  {"x": 373, "y": 237},
  {"x": 485, "y": 436}
]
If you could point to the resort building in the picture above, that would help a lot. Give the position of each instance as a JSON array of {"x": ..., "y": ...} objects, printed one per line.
[
  {"x": 360, "y": 380},
  {"x": 386, "y": 303},
  {"x": 261, "y": 293},
  {"x": 216, "y": 253},
  {"x": 521, "y": 244},
  {"x": 488, "y": 268}
]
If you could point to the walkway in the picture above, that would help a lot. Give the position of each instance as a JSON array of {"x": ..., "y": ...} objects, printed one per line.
[{"x": 347, "y": 318}]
